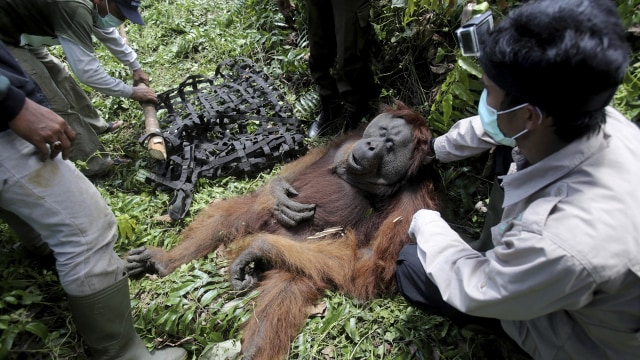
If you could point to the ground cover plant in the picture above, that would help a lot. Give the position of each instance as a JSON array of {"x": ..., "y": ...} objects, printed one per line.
[{"x": 417, "y": 62}]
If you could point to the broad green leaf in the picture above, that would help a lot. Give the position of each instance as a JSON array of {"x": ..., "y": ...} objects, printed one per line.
[
  {"x": 350, "y": 328},
  {"x": 470, "y": 65},
  {"x": 38, "y": 329}
]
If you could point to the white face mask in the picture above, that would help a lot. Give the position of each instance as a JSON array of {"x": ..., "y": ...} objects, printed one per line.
[
  {"x": 489, "y": 118},
  {"x": 106, "y": 22}
]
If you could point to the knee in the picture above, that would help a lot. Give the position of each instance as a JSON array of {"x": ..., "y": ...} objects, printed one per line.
[
  {"x": 406, "y": 270},
  {"x": 413, "y": 282}
]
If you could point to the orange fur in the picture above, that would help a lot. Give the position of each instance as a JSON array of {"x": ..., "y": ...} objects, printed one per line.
[{"x": 360, "y": 264}]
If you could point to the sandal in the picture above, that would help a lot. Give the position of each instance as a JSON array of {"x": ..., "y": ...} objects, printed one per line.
[
  {"x": 114, "y": 126},
  {"x": 120, "y": 161}
]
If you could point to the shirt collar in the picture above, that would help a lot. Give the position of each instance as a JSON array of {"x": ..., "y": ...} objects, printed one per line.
[{"x": 527, "y": 181}]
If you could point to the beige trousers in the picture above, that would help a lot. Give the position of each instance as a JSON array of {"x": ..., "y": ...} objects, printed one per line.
[{"x": 69, "y": 101}]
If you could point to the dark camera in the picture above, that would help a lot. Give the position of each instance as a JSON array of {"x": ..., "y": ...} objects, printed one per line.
[{"x": 472, "y": 31}]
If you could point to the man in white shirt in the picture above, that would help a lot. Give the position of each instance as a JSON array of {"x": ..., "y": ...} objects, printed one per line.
[{"x": 563, "y": 276}]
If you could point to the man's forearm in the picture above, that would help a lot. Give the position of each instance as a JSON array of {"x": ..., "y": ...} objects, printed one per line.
[{"x": 89, "y": 71}]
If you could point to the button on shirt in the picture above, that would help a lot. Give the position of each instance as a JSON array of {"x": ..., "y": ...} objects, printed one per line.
[{"x": 564, "y": 275}]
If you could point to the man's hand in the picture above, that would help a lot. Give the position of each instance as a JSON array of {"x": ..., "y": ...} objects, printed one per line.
[
  {"x": 47, "y": 131},
  {"x": 286, "y": 211},
  {"x": 140, "y": 77},
  {"x": 143, "y": 93},
  {"x": 141, "y": 90}
]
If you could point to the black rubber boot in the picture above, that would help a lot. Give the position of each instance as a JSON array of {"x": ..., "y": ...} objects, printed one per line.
[
  {"x": 325, "y": 124},
  {"x": 104, "y": 321},
  {"x": 354, "y": 116}
]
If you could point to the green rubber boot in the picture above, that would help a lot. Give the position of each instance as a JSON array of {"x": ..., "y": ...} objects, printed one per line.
[{"x": 103, "y": 319}]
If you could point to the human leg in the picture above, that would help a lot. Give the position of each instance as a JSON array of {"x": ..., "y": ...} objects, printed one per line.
[
  {"x": 322, "y": 46},
  {"x": 87, "y": 147},
  {"x": 331, "y": 109},
  {"x": 77, "y": 98},
  {"x": 322, "y": 57},
  {"x": 104, "y": 320},
  {"x": 416, "y": 287},
  {"x": 354, "y": 76},
  {"x": 68, "y": 212}
]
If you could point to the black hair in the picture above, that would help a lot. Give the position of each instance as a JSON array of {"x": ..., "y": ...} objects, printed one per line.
[{"x": 567, "y": 57}]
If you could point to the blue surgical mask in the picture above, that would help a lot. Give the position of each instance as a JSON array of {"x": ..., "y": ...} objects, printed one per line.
[
  {"x": 489, "y": 118},
  {"x": 106, "y": 22}
]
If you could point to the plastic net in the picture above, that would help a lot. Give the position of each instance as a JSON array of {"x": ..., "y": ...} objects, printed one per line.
[{"x": 232, "y": 124}]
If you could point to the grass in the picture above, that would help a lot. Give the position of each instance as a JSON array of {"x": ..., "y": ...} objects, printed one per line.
[{"x": 195, "y": 307}]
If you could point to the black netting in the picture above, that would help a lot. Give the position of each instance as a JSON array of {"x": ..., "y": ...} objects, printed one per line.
[{"x": 232, "y": 124}]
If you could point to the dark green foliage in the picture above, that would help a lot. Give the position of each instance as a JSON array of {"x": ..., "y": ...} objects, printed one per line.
[
  {"x": 627, "y": 99},
  {"x": 34, "y": 318}
]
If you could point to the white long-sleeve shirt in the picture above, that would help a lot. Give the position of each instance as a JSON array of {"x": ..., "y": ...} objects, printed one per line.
[
  {"x": 564, "y": 275},
  {"x": 87, "y": 68}
]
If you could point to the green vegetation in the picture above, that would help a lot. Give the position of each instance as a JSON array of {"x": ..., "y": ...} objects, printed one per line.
[{"x": 416, "y": 61}]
